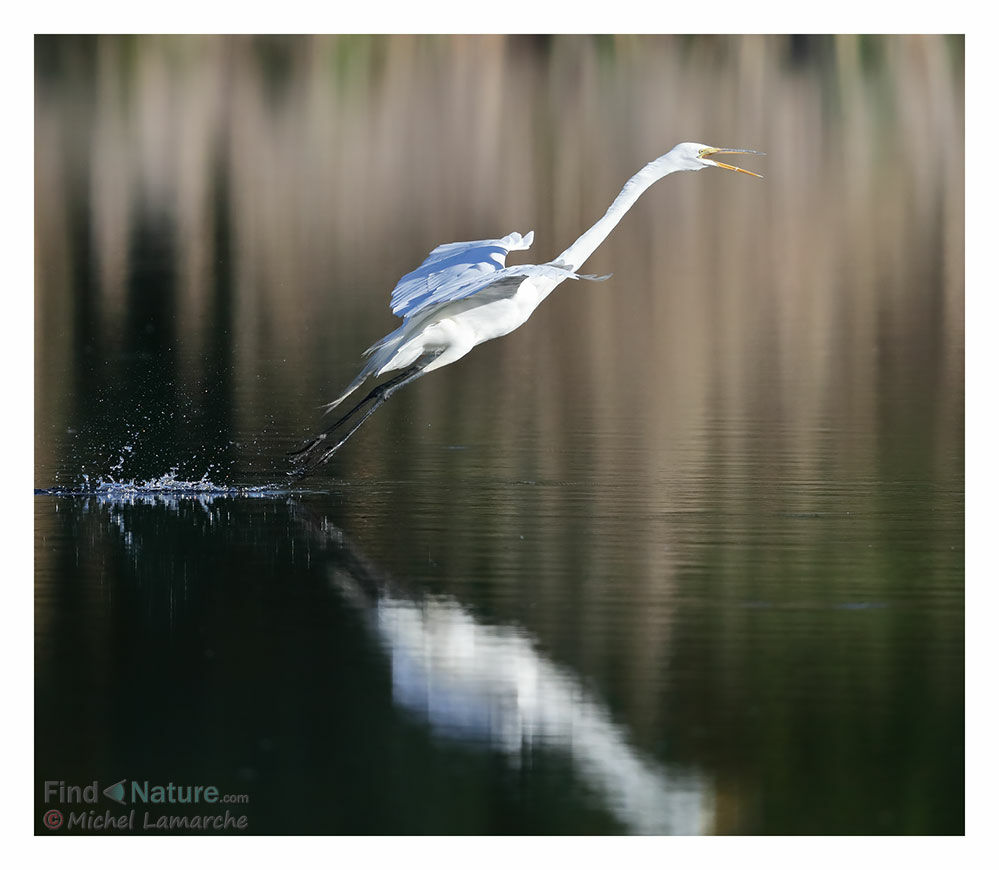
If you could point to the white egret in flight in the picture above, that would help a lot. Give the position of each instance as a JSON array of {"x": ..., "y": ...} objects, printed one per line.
[{"x": 464, "y": 294}]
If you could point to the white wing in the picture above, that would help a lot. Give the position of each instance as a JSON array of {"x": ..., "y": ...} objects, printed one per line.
[{"x": 450, "y": 270}]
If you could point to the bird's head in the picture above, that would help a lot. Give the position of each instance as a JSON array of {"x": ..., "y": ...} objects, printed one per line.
[{"x": 694, "y": 156}]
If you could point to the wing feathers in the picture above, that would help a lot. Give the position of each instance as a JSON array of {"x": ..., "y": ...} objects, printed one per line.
[
  {"x": 457, "y": 270},
  {"x": 450, "y": 268}
]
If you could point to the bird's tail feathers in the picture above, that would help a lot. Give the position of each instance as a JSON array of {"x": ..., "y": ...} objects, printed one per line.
[
  {"x": 354, "y": 384},
  {"x": 378, "y": 354},
  {"x": 391, "y": 337}
]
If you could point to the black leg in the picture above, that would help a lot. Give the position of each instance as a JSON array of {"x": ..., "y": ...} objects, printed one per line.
[{"x": 315, "y": 453}]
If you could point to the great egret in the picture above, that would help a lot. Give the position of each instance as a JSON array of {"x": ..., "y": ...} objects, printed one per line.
[{"x": 464, "y": 294}]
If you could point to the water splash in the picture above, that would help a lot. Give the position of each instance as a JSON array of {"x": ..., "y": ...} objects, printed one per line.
[{"x": 166, "y": 489}]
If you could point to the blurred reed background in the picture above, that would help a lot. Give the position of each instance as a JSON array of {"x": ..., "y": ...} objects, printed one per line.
[
  {"x": 290, "y": 181},
  {"x": 232, "y": 213}
]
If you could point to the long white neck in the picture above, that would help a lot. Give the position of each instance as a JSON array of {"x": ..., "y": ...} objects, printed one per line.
[{"x": 580, "y": 250}]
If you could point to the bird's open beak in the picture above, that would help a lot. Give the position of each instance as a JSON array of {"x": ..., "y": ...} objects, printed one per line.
[{"x": 707, "y": 152}]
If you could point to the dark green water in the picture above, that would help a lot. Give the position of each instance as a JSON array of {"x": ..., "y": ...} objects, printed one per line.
[{"x": 685, "y": 554}]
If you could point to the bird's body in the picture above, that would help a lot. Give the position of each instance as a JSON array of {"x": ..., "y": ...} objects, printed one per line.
[{"x": 464, "y": 294}]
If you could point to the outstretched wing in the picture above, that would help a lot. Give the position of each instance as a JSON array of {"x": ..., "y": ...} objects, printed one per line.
[{"x": 451, "y": 271}]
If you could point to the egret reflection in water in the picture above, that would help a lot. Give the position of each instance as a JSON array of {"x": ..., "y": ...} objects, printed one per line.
[
  {"x": 469, "y": 680},
  {"x": 471, "y": 684}
]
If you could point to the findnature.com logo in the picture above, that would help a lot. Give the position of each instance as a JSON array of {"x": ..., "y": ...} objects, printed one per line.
[{"x": 146, "y": 799}]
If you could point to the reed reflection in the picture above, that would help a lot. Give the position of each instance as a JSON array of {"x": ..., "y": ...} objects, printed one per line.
[{"x": 284, "y": 184}]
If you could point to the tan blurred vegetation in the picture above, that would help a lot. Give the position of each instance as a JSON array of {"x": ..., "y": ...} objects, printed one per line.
[{"x": 340, "y": 161}]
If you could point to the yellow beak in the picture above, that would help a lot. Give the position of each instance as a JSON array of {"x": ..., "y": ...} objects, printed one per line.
[{"x": 709, "y": 151}]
